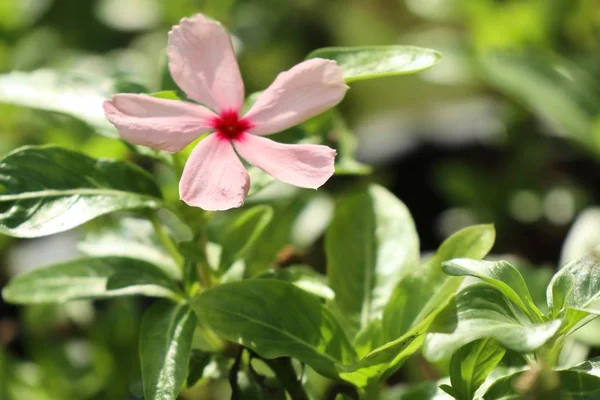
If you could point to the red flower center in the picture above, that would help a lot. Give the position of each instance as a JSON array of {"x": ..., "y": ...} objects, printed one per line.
[{"x": 228, "y": 125}]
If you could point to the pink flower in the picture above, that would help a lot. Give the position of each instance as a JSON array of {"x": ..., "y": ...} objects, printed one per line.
[{"x": 203, "y": 64}]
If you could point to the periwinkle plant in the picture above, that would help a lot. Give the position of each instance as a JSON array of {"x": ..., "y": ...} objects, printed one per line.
[{"x": 225, "y": 308}]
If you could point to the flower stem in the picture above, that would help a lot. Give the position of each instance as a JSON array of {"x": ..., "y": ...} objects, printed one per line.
[{"x": 166, "y": 240}]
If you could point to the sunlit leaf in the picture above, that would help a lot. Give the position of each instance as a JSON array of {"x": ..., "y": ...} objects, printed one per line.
[
  {"x": 88, "y": 278},
  {"x": 370, "y": 62},
  {"x": 470, "y": 366},
  {"x": 427, "y": 289},
  {"x": 276, "y": 319},
  {"x": 129, "y": 237},
  {"x": 370, "y": 244},
  {"x": 482, "y": 311},
  {"x": 500, "y": 274},
  {"x": 165, "y": 345},
  {"x": 574, "y": 291},
  {"x": 49, "y": 189}
]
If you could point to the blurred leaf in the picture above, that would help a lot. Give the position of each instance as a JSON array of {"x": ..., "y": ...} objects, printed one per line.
[
  {"x": 419, "y": 391},
  {"x": 276, "y": 319},
  {"x": 50, "y": 190},
  {"x": 581, "y": 382},
  {"x": 583, "y": 236},
  {"x": 500, "y": 274},
  {"x": 74, "y": 94},
  {"x": 129, "y": 237},
  {"x": 236, "y": 231},
  {"x": 574, "y": 291},
  {"x": 281, "y": 235},
  {"x": 370, "y": 244},
  {"x": 165, "y": 345},
  {"x": 304, "y": 277},
  {"x": 482, "y": 311},
  {"x": 470, "y": 366},
  {"x": 554, "y": 89},
  {"x": 370, "y": 62},
  {"x": 199, "y": 360},
  {"x": 87, "y": 278},
  {"x": 427, "y": 289}
]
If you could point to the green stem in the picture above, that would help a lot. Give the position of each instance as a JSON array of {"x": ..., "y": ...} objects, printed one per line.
[
  {"x": 166, "y": 240},
  {"x": 556, "y": 346},
  {"x": 283, "y": 368}
]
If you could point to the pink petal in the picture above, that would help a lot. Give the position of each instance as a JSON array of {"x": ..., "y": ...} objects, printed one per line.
[
  {"x": 203, "y": 64},
  {"x": 304, "y": 165},
  {"x": 296, "y": 95},
  {"x": 214, "y": 177},
  {"x": 167, "y": 125}
]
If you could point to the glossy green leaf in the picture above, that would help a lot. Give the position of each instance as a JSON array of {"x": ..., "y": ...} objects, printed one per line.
[
  {"x": 574, "y": 291},
  {"x": 129, "y": 237},
  {"x": 237, "y": 231},
  {"x": 75, "y": 94},
  {"x": 165, "y": 345},
  {"x": 370, "y": 244},
  {"x": 500, "y": 274},
  {"x": 427, "y": 289},
  {"x": 49, "y": 189},
  {"x": 482, "y": 311},
  {"x": 370, "y": 62},
  {"x": 470, "y": 366},
  {"x": 581, "y": 382},
  {"x": 87, "y": 278},
  {"x": 276, "y": 319},
  {"x": 381, "y": 362},
  {"x": 304, "y": 277}
]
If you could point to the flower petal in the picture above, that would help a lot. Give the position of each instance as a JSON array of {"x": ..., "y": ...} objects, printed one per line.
[
  {"x": 203, "y": 64},
  {"x": 167, "y": 125},
  {"x": 214, "y": 178},
  {"x": 304, "y": 165},
  {"x": 296, "y": 95}
]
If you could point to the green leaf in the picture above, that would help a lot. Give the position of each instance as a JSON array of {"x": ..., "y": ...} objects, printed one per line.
[
  {"x": 165, "y": 345},
  {"x": 427, "y": 289},
  {"x": 370, "y": 244},
  {"x": 129, "y": 237},
  {"x": 581, "y": 382},
  {"x": 421, "y": 391},
  {"x": 574, "y": 291},
  {"x": 471, "y": 364},
  {"x": 555, "y": 89},
  {"x": 381, "y": 362},
  {"x": 482, "y": 311},
  {"x": 417, "y": 299},
  {"x": 500, "y": 274},
  {"x": 237, "y": 231},
  {"x": 304, "y": 277},
  {"x": 87, "y": 278},
  {"x": 276, "y": 319},
  {"x": 199, "y": 360},
  {"x": 49, "y": 189},
  {"x": 290, "y": 229},
  {"x": 75, "y": 94},
  {"x": 370, "y": 62}
]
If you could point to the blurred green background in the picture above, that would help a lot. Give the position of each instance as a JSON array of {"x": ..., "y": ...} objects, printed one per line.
[{"x": 505, "y": 129}]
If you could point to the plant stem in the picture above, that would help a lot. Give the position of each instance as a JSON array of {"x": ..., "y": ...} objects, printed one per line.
[
  {"x": 166, "y": 241},
  {"x": 283, "y": 368},
  {"x": 556, "y": 346}
]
